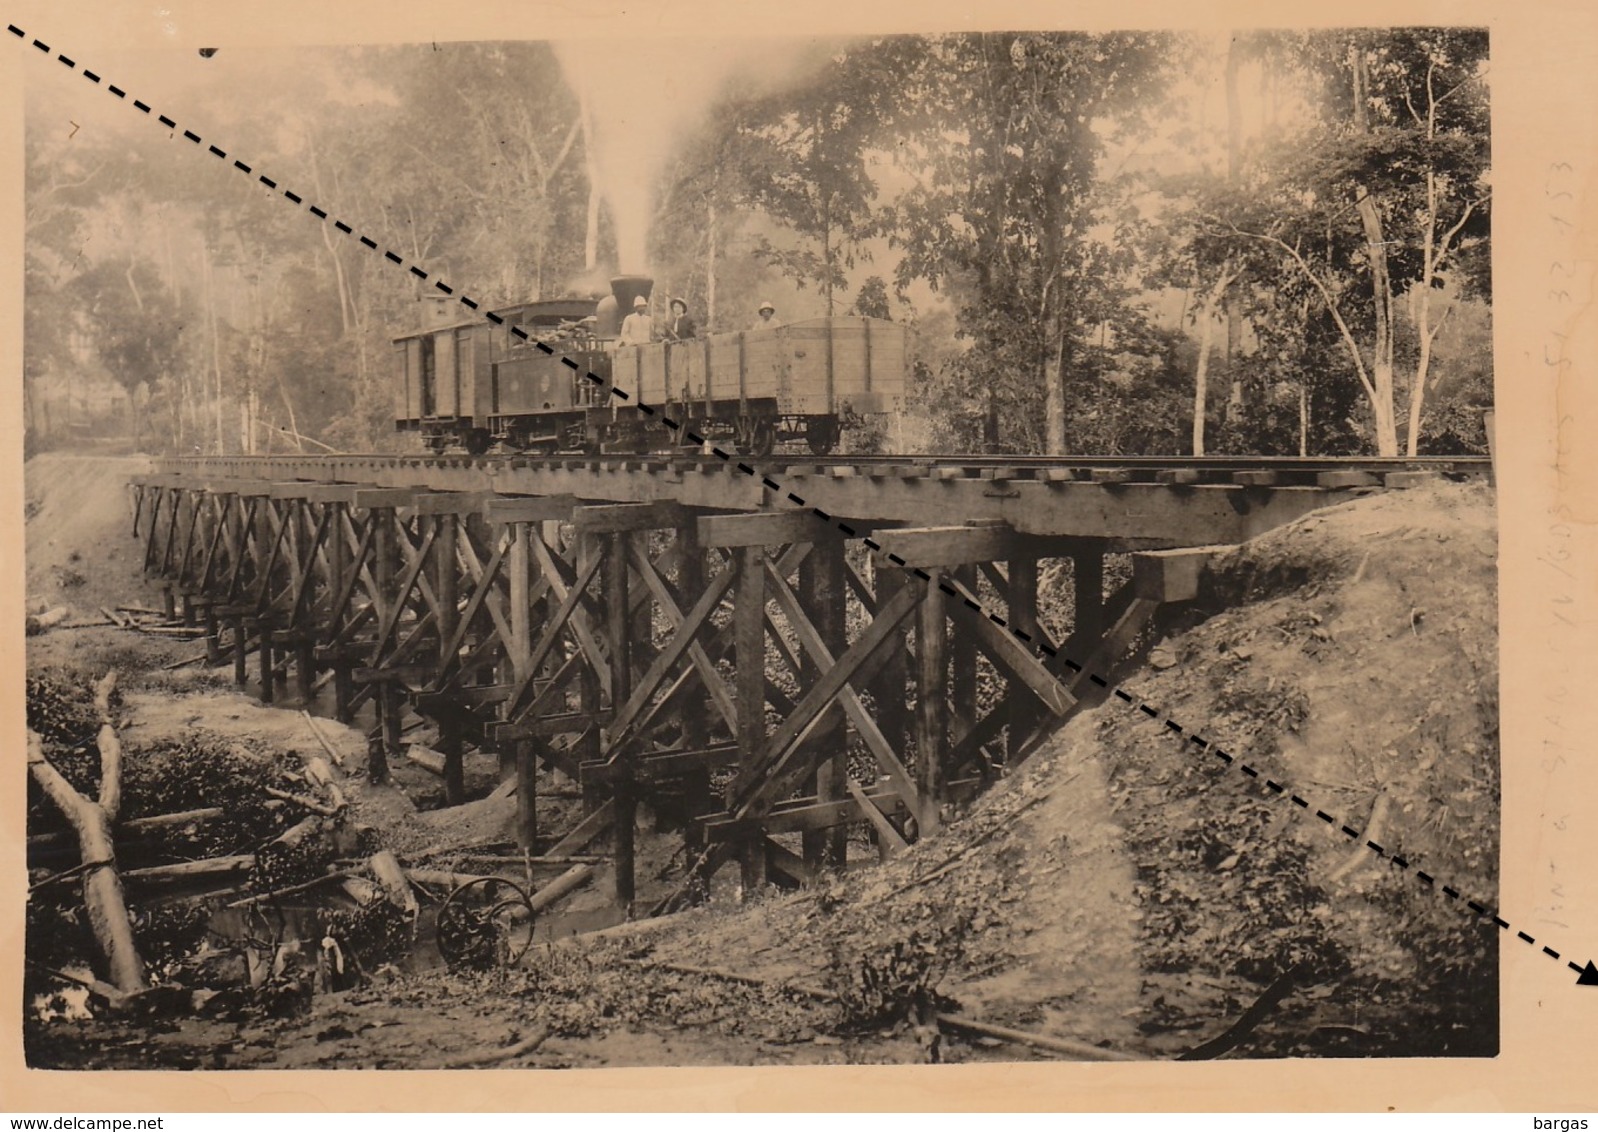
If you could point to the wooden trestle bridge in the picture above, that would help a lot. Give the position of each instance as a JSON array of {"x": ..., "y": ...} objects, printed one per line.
[{"x": 698, "y": 636}]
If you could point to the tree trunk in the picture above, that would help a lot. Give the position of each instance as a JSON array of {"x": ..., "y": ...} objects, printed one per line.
[
  {"x": 1381, "y": 285},
  {"x": 103, "y": 898},
  {"x": 1054, "y": 392},
  {"x": 1234, "y": 161},
  {"x": 1201, "y": 374},
  {"x": 1417, "y": 389}
]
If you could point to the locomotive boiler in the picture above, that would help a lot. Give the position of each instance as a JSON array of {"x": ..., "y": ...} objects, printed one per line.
[{"x": 476, "y": 384}]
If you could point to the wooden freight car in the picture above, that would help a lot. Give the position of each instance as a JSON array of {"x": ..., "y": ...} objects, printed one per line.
[{"x": 802, "y": 381}]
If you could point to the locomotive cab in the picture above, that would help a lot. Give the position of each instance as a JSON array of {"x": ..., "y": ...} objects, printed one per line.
[{"x": 473, "y": 382}]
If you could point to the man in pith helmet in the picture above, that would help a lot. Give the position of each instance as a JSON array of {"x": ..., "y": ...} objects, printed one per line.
[
  {"x": 766, "y": 318},
  {"x": 637, "y": 329}
]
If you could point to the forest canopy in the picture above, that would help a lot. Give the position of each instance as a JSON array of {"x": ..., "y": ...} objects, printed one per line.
[{"x": 1265, "y": 242}]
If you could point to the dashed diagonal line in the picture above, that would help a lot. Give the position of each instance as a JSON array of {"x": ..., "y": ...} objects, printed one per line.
[{"x": 1273, "y": 788}]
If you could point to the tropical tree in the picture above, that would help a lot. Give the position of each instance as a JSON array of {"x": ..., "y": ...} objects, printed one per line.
[
  {"x": 1001, "y": 135},
  {"x": 1384, "y": 200}
]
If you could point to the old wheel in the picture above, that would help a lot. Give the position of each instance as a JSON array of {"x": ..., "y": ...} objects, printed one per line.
[
  {"x": 487, "y": 922},
  {"x": 477, "y": 441},
  {"x": 821, "y": 436},
  {"x": 755, "y": 436}
]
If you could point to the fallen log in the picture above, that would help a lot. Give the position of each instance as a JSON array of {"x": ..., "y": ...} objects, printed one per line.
[
  {"x": 493, "y": 859},
  {"x": 442, "y": 878},
  {"x": 115, "y": 619},
  {"x": 361, "y": 890},
  {"x": 386, "y": 868},
  {"x": 155, "y": 822},
  {"x": 290, "y": 889},
  {"x": 332, "y": 752},
  {"x": 572, "y": 878},
  {"x": 103, "y": 897},
  {"x": 37, "y": 623},
  {"x": 320, "y": 774},
  {"x": 426, "y": 758},
  {"x": 303, "y": 802},
  {"x": 191, "y": 870},
  {"x": 631, "y": 927},
  {"x": 277, "y": 859},
  {"x": 494, "y": 1057},
  {"x": 183, "y": 662}
]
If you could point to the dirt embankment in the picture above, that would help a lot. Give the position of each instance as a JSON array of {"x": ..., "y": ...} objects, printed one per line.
[{"x": 1128, "y": 888}]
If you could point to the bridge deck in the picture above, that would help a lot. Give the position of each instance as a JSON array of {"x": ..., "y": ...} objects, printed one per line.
[{"x": 1135, "y": 503}]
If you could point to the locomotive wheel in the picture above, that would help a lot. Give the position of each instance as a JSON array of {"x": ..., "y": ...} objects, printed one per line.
[
  {"x": 755, "y": 436},
  {"x": 477, "y": 441},
  {"x": 480, "y": 936}
]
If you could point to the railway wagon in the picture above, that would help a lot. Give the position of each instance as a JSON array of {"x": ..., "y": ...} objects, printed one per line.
[
  {"x": 801, "y": 381},
  {"x": 477, "y": 384}
]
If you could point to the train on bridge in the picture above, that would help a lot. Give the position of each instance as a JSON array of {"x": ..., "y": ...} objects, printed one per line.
[{"x": 539, "y": 379}]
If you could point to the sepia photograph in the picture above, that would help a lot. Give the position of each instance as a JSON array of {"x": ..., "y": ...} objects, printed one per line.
[{"x": 938, "y": 548}]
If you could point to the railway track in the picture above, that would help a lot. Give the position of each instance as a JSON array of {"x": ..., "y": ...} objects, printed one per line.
[{"x": 1258, "y": 471}]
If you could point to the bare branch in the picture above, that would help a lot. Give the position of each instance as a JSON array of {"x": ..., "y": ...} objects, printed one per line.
[
  {"x": 1431, "y": 335},
  {"x": 1443, "y": 245},
  {"x": 1326, "y": 296}
]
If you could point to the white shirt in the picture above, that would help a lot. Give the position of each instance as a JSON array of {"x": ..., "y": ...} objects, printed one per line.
[{"x": 637, "y": 329}]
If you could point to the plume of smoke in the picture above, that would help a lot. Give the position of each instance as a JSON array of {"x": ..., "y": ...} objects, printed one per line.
[{"x": 641, "y": 96}]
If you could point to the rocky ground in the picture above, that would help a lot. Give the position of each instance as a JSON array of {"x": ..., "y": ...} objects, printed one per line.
[{"x": 1124, "y": 889}]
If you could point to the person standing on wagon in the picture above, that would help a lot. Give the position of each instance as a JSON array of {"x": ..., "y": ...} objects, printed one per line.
[
  {"x": 638, "y": 329},
  {"x": 767, "y": 317},
  {"x": 679, "y": 327}
]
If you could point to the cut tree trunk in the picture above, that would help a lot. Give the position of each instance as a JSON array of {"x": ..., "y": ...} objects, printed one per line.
[
  {"x": 39, "y": 622},
  {"x": 136, "y": 826},
  {"x": 103, "y": 898},
  {"x": 426, "y": 758},
  {"x": 190, "y": 870},
  {"x": 386, "y": 868}
]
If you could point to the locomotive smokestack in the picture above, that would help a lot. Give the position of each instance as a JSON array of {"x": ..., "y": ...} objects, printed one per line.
[
  {"x": 619, "y": 303},
  {"x": 626, "y": 288}
]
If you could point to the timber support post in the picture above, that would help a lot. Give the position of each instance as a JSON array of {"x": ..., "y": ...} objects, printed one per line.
[{"x": 822, "y": 596}]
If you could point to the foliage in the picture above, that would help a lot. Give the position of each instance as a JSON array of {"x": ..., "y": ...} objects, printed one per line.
[
  {"x": 1379, "y": 201},
  {"x": 1002, "y": 136},
  {"x": 1002, "y": 180}
]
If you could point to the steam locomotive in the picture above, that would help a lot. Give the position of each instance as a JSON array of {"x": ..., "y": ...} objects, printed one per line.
[{"x": 477, "y": 384}]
